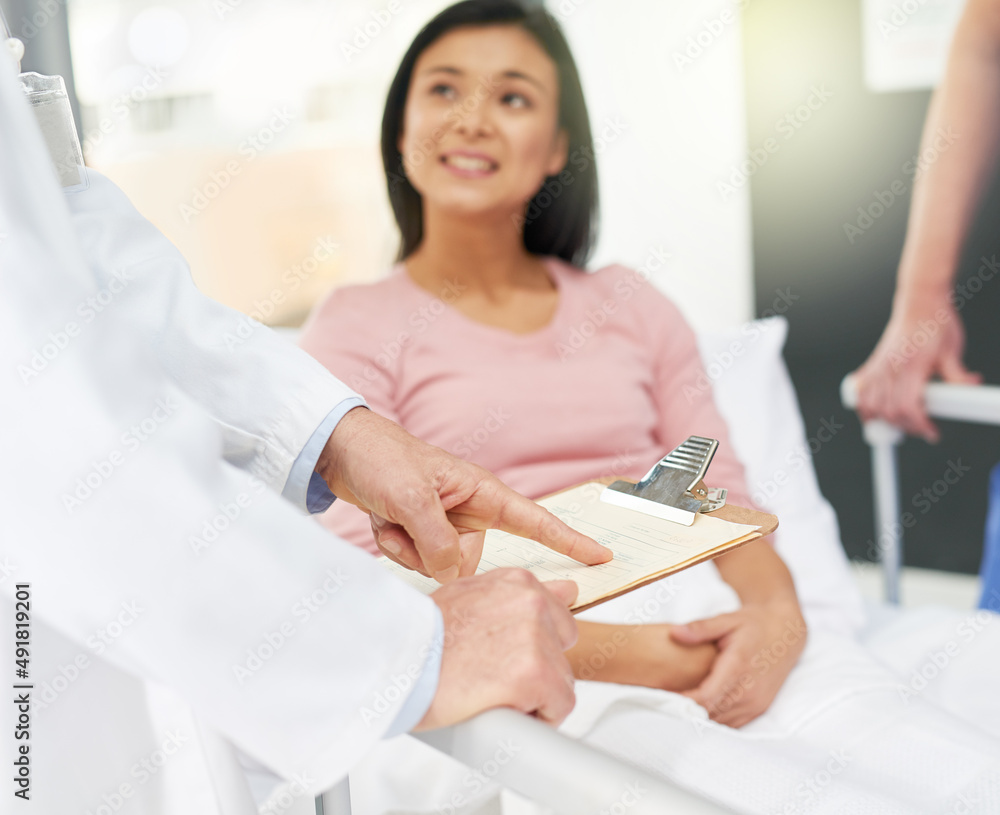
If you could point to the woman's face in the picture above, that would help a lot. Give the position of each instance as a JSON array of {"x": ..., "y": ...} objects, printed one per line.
[{"x": 481, "y": 126}]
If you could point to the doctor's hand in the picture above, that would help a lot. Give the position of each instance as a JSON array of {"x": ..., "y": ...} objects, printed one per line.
[
  {"x": 758, "y": 647},
  {"x": 429, "y": 509},
  {"x": 924, "y": 341},
  {"x": 504, "y": 638}
]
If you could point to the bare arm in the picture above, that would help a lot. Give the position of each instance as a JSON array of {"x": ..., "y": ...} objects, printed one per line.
[
  {"x": 640, "y": 654},
  {"x": 947, "y": 192},
  {"x": 961, "y": 138},
  {"x": 757, "y": 574}
]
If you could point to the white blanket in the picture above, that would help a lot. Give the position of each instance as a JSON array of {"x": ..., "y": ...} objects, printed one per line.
[{"x": 845, "y": 734}]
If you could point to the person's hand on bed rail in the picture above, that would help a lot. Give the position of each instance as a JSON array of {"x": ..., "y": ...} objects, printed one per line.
[
  {"x": 430, "y": 509},
  {"x": 758, "y": 647},
  {"x": 920, "y": 341},
  {"x": 925, "y": 335},
  {"x": 507, "y": 620}
]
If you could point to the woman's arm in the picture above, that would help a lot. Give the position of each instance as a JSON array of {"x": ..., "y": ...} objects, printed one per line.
[
  {"x": 758, "y": 574},
  {"x": 641, "y": 654},
  {"x": 759, "y": 644}
]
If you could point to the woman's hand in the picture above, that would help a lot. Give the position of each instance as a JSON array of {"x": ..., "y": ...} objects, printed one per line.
[
  {"x": 639, "y": 655},
  {"x": 757, "y": 648}
]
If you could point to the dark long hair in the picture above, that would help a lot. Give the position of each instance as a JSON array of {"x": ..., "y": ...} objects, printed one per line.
[{"x": 561, "y": 219}]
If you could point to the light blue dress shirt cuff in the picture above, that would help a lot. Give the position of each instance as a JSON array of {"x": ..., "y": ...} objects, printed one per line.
[
  {"x": 305, "y": 487},
  {"x": 424, "y": 686}
]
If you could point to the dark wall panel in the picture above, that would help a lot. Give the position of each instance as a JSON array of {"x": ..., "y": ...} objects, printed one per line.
[{"x": 849, "y": 149}]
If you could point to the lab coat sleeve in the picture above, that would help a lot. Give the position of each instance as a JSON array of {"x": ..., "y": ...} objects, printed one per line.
[
  {"x": 300, "y": 649},
  {"x": 303, "y": 480},
  {"x": 344, "y": 335},
  {"x": 205, "y": 347},
  {"x": 340, "y": 333},
  {"x": 424, "y": 687}
]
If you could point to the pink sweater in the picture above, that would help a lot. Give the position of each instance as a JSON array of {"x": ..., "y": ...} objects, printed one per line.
[{"x": 608, "y": 387}]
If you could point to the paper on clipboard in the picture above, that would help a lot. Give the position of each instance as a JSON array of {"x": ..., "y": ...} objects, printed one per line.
[{"x": 646, "y": 548}]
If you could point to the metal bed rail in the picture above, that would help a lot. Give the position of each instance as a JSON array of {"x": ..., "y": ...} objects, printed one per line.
[
  {"x": 548, "y": 768},
  {"x": 964, "y": 403}
]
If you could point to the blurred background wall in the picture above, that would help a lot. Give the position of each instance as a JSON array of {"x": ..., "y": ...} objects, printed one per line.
[
  {"x": 737, "y": 138},
  {"x": 247, "y": 130}
]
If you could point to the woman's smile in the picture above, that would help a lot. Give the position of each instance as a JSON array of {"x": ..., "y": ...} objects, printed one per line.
[{"x": 469, "y": 163}]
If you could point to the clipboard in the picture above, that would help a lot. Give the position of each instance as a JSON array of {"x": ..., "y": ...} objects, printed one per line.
[
  {"x": 674, "y": 488},
  {"x": 647, "y": 545}
]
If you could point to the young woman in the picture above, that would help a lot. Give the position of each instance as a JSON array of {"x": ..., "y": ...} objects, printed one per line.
[{"x": 491, "y": 341}]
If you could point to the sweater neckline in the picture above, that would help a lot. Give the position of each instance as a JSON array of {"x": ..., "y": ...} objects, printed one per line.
[{"x": 556, "y": 271}]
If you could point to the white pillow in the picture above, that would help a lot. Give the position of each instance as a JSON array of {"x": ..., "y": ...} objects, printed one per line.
[{"x": 754, "y": 393}]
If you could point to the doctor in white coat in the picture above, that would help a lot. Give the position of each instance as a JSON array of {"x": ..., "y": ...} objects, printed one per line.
[{"x": 162, "y": 609}]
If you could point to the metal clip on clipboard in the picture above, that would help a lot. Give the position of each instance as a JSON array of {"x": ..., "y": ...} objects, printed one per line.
[{"x": 674, "y": 488}]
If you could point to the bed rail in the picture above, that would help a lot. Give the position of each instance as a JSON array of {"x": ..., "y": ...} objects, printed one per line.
[
  {"x": 963, "y": 403},
  {"x": 548, "y": 768}
]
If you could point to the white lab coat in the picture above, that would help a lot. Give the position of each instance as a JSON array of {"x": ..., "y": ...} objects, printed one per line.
[
  {"x": 218, "y": 356},
  {"x": 274, "y": 638}
]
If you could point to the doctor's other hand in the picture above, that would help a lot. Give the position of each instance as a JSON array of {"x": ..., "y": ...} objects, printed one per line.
[
  {"x": 429, "y": 509},
  {"x": 758, "y": 646},
  {"x": 504, "y": 638},
  {"x": 916, "y": 345}
]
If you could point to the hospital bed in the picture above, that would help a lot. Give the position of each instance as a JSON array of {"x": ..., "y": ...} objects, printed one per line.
[
  {"x": 551, "y": 769},
  {"x": 758, "y": 402}
]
